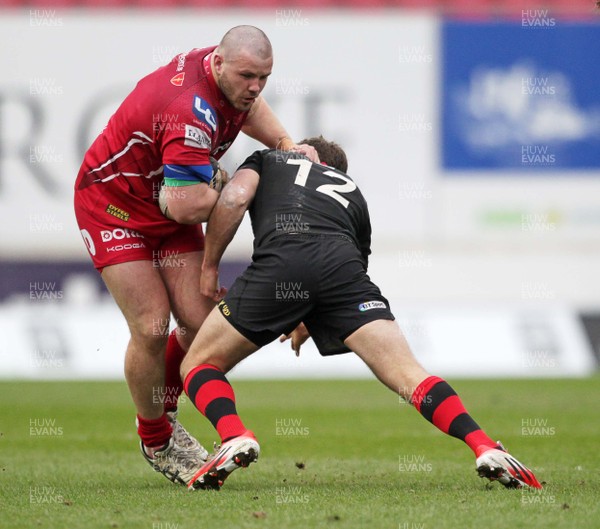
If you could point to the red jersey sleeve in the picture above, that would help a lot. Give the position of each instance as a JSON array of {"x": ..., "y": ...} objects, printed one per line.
[{"x": 188, "y": 130}]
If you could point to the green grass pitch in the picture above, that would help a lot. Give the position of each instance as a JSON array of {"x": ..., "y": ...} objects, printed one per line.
[{"x": 344, "y": 454}]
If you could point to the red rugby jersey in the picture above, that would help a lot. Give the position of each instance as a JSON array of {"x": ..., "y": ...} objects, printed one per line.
[{"x": 175, "y": 115}]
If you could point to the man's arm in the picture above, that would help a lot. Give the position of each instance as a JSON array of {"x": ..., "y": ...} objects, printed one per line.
[
  {"x": 262, "y": 125},
  {"x": 190, "y": 192},
  {"x": 222, "y": 226},
  {"x": 189, "y": 204}
]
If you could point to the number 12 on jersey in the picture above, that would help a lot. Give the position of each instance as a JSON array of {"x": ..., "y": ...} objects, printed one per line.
[{"x": 331, "y": 190}]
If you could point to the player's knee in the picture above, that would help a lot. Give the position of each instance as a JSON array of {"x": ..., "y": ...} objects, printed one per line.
[
  {"x": 195, "y": 358},
  {"x": 190, "y": 362},
  {"x": 151, "y": 332}
]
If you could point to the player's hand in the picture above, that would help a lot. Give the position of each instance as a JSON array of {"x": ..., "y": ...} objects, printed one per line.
[
  {"x": 220, "y": 176},
  {"x": 162, "y": 201},
  {"x": 209, "y": 284},
  {"x": 298, "y": 336},
  {"x": 308, "y": 150},
  {"x": 286, "y": 144}
]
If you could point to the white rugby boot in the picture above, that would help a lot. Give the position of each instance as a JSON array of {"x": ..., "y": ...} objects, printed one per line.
[
  {"x": 183, "y": 439},
  {"x": 496, "y": 464},
  {"x": 236, "y": 453},
  {"x": 176, "y": 464}
]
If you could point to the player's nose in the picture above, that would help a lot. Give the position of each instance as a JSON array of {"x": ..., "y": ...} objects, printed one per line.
[{"x": 254, "y": 87}]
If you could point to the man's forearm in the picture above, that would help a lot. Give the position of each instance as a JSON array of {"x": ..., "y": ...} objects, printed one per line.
[
  {"x": 222, "y": 225},
  {"x": 227, "y": 215},
  {"x": 264, "y": 126},
  {"x": 220, "y": 230}
]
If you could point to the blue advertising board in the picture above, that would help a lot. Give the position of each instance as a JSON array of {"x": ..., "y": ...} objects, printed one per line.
[{"x": 520, "y": 96}]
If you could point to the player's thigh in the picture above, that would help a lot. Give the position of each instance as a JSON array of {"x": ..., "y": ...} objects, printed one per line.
[
  {"x": 379, "y": 339},
  {"x": 181, "y": 276},
  {"x": 276, "y": 292},
  {"x": 217, "y": 343},
  {"x": 347, "y": 301},
  {"x": 383, "y": 347},
  {"x": 140, "y": 293}
]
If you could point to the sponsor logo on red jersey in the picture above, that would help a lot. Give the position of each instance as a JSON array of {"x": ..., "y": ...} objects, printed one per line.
[
  {"x": 126, "y": 246},
  {"x": 177, "y": 80},
  {"x": 117, "y": 212},
  {"x": 204, "y": 112},
  {"x": 89, "y": 242},
  {"x": 119, "y": 234},
  {"x": 180, "y": 62},
  {"x": 194, "y": 137}
]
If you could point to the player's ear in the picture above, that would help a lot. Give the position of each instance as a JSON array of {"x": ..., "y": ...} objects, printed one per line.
[{"x": 218, "y": 62}]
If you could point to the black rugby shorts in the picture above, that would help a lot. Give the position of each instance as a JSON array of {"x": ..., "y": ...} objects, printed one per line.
[{"x": 320, "y": 280}]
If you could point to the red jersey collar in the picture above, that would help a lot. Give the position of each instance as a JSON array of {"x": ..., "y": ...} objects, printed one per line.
[{"x": 225, "y": 106}]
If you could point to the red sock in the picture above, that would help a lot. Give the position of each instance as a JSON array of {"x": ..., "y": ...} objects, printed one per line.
[
  {"x": 173, "y": 385},
  {"x": 439, "y": 404},
  {"x": 154, "y": 432},
  {"x": 210, "y": 391}
]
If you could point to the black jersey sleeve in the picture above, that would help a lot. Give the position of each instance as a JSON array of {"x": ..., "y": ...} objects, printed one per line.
[{"x": 254, "y": 162}]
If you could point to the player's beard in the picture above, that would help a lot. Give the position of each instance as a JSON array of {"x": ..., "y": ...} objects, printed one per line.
[{"x": 229, "y": 91}]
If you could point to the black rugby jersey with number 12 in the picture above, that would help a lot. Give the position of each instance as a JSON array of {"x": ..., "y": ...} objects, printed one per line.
[{"x": 296, "y": 196}]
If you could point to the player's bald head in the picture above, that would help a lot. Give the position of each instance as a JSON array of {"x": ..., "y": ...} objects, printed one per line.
[{"x": 245, "y": 39}]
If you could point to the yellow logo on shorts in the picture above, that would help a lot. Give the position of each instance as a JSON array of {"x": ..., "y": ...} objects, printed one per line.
[
  {"x": 117, "y": 212},
  {"x": 224, "y": 308}
]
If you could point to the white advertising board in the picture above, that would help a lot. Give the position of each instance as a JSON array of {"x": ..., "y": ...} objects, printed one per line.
[{"x": 81, "y": 340}]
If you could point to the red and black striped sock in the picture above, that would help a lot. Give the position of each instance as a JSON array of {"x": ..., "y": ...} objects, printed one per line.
[
  {"x": 435, "y": 400},
  {"x": 173, "y": 385},
  {"x": 210, "y": 391}
]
